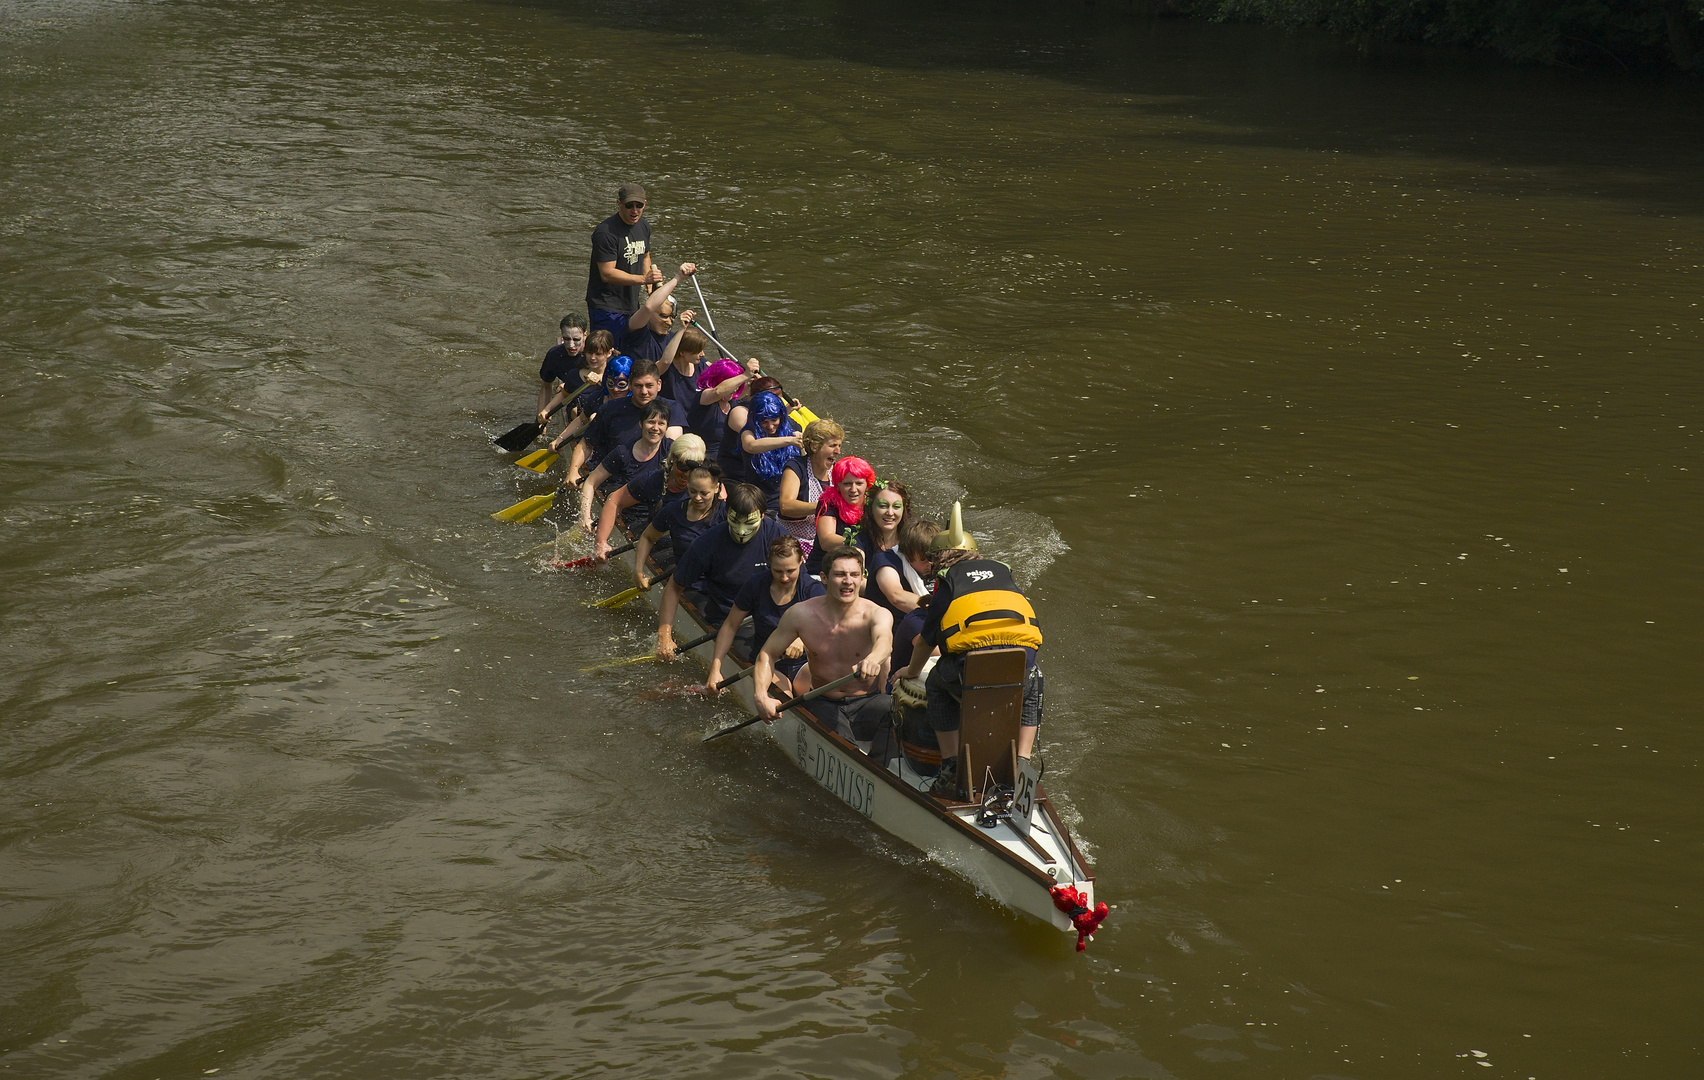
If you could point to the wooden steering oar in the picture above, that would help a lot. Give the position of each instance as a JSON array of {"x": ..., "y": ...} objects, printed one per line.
[{"x": 784, "y": 706}]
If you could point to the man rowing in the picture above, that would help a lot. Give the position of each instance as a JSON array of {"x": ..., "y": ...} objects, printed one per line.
[
  {"x": 842, "y": 632},
  {"x": 976, "y": 605}
]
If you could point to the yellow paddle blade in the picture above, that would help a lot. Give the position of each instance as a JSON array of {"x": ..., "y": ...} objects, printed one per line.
[
  {"x": 803, "y": 416},
  {"x": 527, "y": 509},
  {"x": 618, "y": 599},
  {"x": 539, "y": 460},
  {"x": 618, "y": 663}
]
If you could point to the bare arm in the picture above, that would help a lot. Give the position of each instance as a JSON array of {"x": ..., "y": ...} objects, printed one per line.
[
  {"x": 642, "y": 553},
  {"x": 881, "y": 644},
  {"x": 654, "y": 303},
  {"x": 751, "y": 444},
  {"x": 574, "y": 462},
  {"x": 785, "y": 634},
  {"x": 724, "y": 642},
  {"x": 612, "y": 276},
  {"x": 544, "y": 400},
  {"x": 588, "y": 491},
  {"x": 618, "y": 501},
  {"x": 665, "y": 619},
  {"x": 790, "y": 505},
  {"x": 887, "y": 580}
]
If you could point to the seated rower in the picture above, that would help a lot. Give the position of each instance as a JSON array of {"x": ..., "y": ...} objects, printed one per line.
[
  {"x": 730, "y": 453},
  {"x": 711, "y": 571},
  {"x": 840, "y": 509},
  {"x": 679, "y": 522},
  {"x": 900, "y": 583},
  {"x": 720, "y": 384},
  {"x": 561, "y": 362},
  {"x": 769, "y": 441},
  {"x": 887, "y": 511},
  {"x": 807, "y": 476},
  {"x": 766, "y": 598},
  {"x": 599, "y": 348},
  {"x": 649, "y": 491},
  {"x": 842, "y": 632},
  {"x": 616, "y": 387},
  {"x": 976, "y": 605},
  {"x": 681, "y": 364},
  {"x": 648, "y": 329},
  {"x": 617, "y": 422},
  {"x": 627, "y": 463}
]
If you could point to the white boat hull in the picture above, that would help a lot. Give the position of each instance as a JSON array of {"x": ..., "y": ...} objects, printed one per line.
[{"x": 998, "y": 861}]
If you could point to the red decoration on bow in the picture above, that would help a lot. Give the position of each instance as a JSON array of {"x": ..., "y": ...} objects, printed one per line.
[{"x": 1074, "y": 903}]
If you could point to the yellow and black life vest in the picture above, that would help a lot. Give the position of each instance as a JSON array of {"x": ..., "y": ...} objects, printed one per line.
[{"x": 986, "y": 610}]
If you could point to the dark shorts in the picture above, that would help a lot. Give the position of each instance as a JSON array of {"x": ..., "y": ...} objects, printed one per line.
[
  {"x": 946, "y": 687},
  {"x": 613, "y": 321},
  {"x": 856, "y": 718}
]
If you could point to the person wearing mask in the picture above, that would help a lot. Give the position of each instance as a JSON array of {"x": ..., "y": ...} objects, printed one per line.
[
  {"x": 617, "y": 389},
  {"x": 975, "y": 605},
  {"x": 592, "y": 360},
  {"x": 766, "y": 599},
  {"x": 806, "y": 478},
  {"x": 621, "y": 263},
  {"x": 717, "y": 564},
  {"x": 769, "y": 441},
  {"x": 562, "y": 362}
]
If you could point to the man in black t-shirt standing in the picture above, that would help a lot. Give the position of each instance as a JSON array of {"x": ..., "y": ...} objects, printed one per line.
[{"x": 621, "y": 263}]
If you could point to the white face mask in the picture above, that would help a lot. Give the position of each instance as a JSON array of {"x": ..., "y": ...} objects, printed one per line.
[{"x": 743, "y": 528}]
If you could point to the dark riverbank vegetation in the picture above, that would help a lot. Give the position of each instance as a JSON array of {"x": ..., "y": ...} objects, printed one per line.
[{"x": 1631, "y": 34}]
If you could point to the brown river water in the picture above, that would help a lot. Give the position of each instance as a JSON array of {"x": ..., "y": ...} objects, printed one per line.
[{"x": 1342, "y": 416}]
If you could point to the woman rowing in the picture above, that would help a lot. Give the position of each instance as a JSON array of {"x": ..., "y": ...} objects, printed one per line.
[
  {"x": 769, "y": 441},
  {"x": 730, "y": 454},
  {"x": 840, "y": 509},
  {"x": 766, "y": 597},
  {"x": 625, "y": 464},
  {"x": 807, "y": 476},
  {"x": 719, "y": 384},
  {"x": 682, "y": 521},
  {"x": 650, "y": 490}
]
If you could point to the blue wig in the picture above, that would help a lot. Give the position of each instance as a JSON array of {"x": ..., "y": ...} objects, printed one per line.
[{"x": 770, "y": 463}]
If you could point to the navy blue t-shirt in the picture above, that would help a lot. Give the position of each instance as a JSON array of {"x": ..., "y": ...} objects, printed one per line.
[
  {"x": 671, "y": 520},
  {"x": 644, "y": 344},
  {"x": 559, "y": 363},
  {"x": 623, "y": 469},
  {"x": 813, "y": 563},
  {"x": 730, "y": 456},
  {"x": 617, "y": 424},
  {"x": 718, "y": 566},
  {"x": 892, "y": 558},
  {"x": 755, "y": 597},
  {"x": 684, "y": 389},
  {"x": 652, "y": 489}
]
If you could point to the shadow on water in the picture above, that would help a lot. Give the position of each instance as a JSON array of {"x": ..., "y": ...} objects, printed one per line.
[{"x": 1598, "y": 134}]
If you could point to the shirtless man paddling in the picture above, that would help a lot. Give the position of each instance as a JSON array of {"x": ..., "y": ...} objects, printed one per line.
[{"x": 842, "y": 632}]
